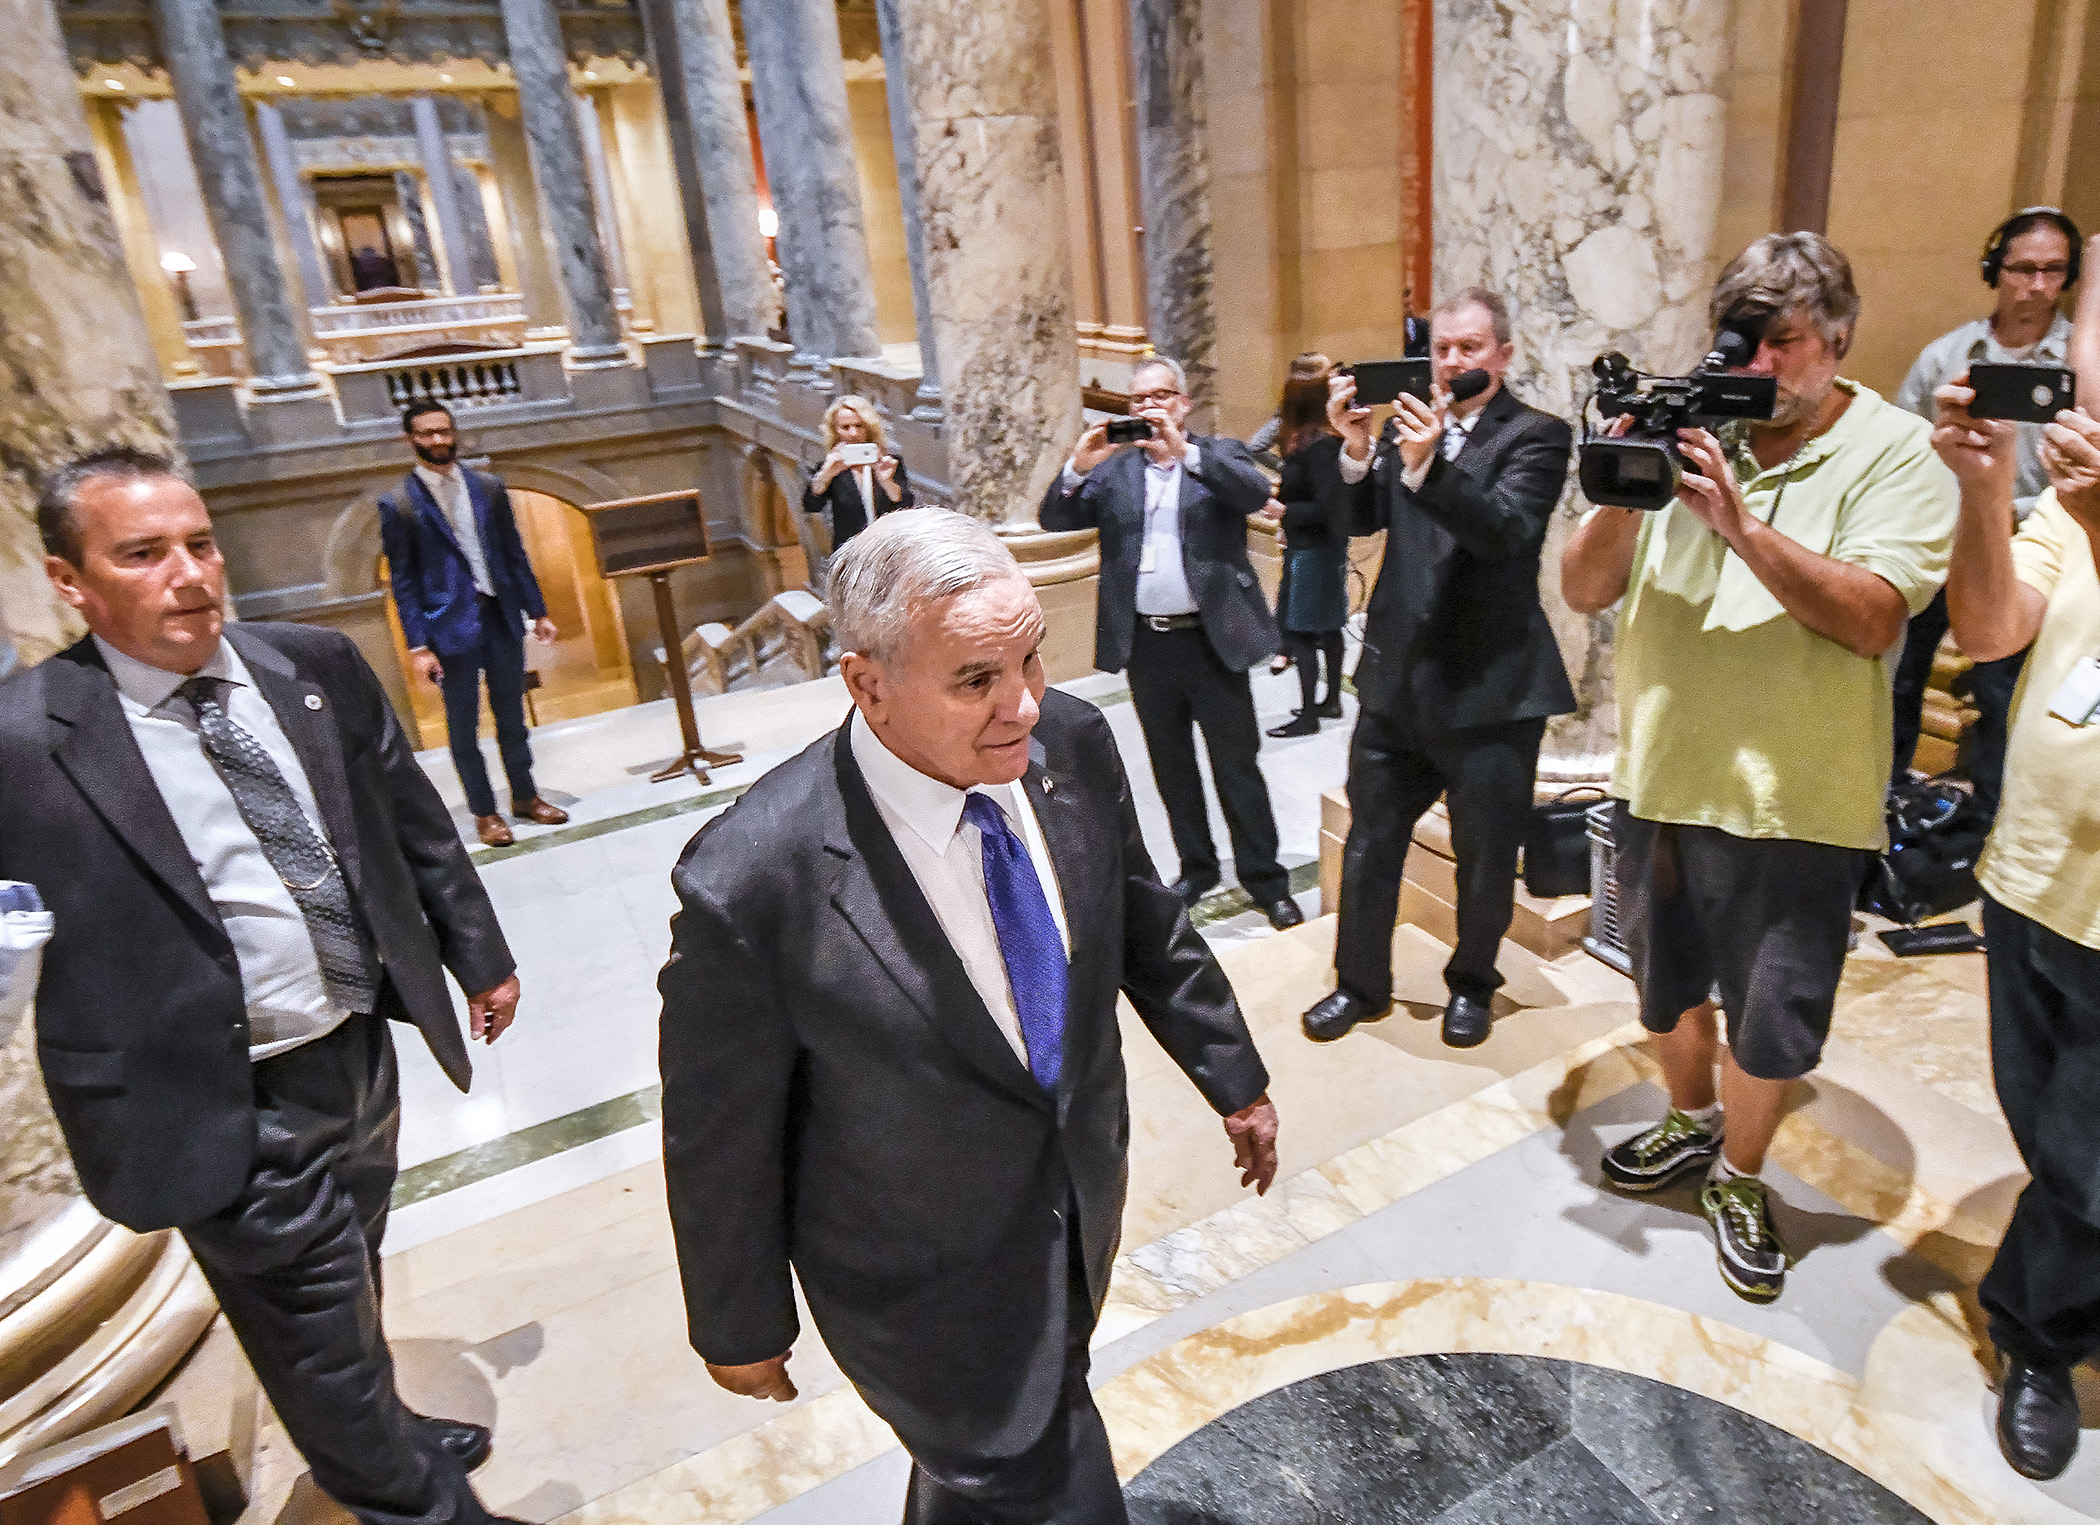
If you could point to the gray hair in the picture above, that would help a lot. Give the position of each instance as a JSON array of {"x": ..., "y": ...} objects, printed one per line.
[
  {"x": 900, "y": 564},
  {"x": 1787, "y": 272},
  {"x": 55, "y": 523},
  {"x": 1165, "y": 363},
  {"x": 1479, "y": 296}
]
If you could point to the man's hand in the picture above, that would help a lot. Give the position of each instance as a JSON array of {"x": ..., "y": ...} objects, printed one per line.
[
  {"x": 544, "y": 632},
  {"x": 1709, "y": 489},
  {"x": 1272, "y": 509},
  {"x": 1979, "y": 451},
  {"x": 1352, "y": 423},
  {"x": 1168, "y": 444},
  {"x": 2071, "y": 452},
  {"x": 424, "y": 663},
  {"x": 1093, "y": 448},
  {"x": 1419, "y": 428},
  {"x": 490, "y": 1014},
  {"x": 1252, "y": 1130},
  {"x": 760, "y": 1379}
]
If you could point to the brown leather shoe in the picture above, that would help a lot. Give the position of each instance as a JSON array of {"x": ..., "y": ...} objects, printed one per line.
[
  {"x": 540, "y": 813},
  {"x": 493, "y": 832}
]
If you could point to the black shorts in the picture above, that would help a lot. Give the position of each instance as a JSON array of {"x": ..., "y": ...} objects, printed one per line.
[{"x": 1763, "y": 920}]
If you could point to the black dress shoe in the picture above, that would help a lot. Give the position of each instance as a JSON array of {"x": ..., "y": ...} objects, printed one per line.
[
  {"x": 1467, "y": 1022},
  {"x": 1193, "y": 887},
  {"x": 2037, "y": 1419},
  {"x": 1333, "y": 1015},
  {"x": 1283, "y": 914},
  {"x": 467, "y": 1444},
  {"x": 1301, "y": 723},
  {"x": 1330, "y": 708}
]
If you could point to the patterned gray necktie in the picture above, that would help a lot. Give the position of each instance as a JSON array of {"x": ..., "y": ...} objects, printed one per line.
[{"x": 296, "y": 851}]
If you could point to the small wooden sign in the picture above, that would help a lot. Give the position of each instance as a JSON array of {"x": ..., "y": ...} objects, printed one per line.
[{"x": 631, "y": 536}]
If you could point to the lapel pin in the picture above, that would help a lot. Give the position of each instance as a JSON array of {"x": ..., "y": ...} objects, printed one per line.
[
  {"x": 313, "y": 701},
  {"x": 1049, "y": 784}
]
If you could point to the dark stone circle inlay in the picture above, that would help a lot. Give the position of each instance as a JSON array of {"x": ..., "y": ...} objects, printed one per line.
[{"x": 1497, "y": 1440}]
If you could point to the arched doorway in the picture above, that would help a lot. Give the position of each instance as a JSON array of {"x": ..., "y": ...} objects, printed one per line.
[{"x": 586, "y": 671}]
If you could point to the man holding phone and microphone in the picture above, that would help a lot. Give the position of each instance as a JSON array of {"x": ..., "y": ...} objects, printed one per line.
[
  {"x": 1460, "y": 669},
  {"x": 1180, "y": 608}
]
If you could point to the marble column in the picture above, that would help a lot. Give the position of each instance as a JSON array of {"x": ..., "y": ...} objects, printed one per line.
[
  {"x": 454, "y": 261},
  {"x": 215, "y": 123},
  {"x": 590, "y": 129},
  {"x": 1166, "y": 51},
  {"x": 511, "y": 163},
  {"x": 481, "y": 268},
  {"x": 897, "y": 88},
  {"x": 983, "y": 115},
  {"x": 74, "y": 385},
  {"x": 798, "y": 80},
  {"x": 539, "y": 62},
  {"x": 291, "y": 202},
  {"x": 1578, "y": 169},
  {"x": 694, "y": 54}
]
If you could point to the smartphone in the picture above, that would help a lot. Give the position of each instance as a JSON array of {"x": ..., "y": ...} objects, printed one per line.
[
  {"x": 860, "y": 455},
  {"x": 1128, "y": 431},
  {"x": 1933, "y": 937},
  {"x": 2027, "y": 394},
  {"x": 1382, "y": 381}
]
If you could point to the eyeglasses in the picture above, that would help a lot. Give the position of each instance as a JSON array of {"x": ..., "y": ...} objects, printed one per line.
[
  {"x": 1164, "y": 394},
  {"x": 2054, "y": 271}
]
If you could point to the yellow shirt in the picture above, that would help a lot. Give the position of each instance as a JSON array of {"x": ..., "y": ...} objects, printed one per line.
[
  {"x": 1732, "y": 713},
  {"x": 2043, "y": 859}
]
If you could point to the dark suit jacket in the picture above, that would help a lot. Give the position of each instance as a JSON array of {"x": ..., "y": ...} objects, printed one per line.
[
  {"x": 837, "y": 1098},
  {"x": 1215, "y": 503},
  {"x": 433, "y": 589},
  {"x": 1455, "y": 635},
  {"x": 141, "y": 1025},
  {"x": 849, "y": 516}
]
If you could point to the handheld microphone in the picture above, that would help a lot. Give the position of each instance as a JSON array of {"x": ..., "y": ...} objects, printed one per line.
[{"x": 1470, "y": 384}]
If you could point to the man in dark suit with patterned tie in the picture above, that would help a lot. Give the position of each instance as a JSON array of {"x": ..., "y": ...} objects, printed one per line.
[
  {"x": 248, "y": 875},
  {"x": 1460, "y": 669},
  {"x": 890, "y": 1053}
]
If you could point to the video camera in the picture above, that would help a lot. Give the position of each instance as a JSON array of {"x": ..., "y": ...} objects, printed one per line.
[{"x": 1643, "y": 467}]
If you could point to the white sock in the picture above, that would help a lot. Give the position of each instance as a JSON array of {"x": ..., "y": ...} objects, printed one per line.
[
  {"x": 1723, "y": 1172},
  {"x": 1703, "y": 1115}
]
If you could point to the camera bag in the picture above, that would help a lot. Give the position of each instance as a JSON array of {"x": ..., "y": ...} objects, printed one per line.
[{"x": 1936, "y": 834}]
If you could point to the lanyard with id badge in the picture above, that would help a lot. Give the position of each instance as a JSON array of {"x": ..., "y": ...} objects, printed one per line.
[{"x": 2077, "y": 699}]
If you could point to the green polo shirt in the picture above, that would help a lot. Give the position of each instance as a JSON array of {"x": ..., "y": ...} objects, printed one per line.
[{"x": 1732, "y": 713}]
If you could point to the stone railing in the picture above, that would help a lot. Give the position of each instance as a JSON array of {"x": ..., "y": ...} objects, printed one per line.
[
  {"x": 378, "y": 388},
  {"x": 211, "y": 331},
  {"x": 430, "y": 312}
]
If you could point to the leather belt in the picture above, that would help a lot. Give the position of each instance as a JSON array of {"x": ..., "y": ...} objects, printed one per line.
[{"x": 1170, "y": 621}]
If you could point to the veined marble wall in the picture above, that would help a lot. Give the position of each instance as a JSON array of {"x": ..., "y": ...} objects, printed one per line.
[
  {"x": 74, "y": 385},
  {"x": 1579, "y": 160}
]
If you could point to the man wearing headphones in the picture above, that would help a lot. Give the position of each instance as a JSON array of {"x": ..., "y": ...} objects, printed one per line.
[{"x": 2030, "y": 260}]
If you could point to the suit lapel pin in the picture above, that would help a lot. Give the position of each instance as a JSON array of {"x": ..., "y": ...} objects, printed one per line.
[{"x": 313, "y": 701}]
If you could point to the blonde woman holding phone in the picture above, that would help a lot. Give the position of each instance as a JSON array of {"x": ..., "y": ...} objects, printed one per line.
[{"x": 859, "y": 479}]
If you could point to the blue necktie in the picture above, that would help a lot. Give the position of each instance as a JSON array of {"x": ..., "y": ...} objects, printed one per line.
[{"x": 1028, "y": 940}]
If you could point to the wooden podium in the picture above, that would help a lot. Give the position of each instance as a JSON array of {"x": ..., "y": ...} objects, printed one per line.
[{"x": 649, "y": 537}]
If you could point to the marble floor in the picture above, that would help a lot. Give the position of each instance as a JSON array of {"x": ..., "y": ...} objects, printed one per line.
[{"x": 1432, "y": 1203}]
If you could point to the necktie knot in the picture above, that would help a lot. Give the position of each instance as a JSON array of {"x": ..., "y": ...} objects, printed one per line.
[
  {"x": 983, "y": 812},
  {"x": 200, "y": 691}
]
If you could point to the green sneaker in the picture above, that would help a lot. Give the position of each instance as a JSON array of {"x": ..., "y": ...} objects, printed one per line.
[
  {"x": 1653, "y": 1159},
  {"x": 1753, "y": 1261}
]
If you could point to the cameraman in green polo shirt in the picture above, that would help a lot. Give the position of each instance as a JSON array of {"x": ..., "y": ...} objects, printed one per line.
[{"x": 1762, "y": 611}]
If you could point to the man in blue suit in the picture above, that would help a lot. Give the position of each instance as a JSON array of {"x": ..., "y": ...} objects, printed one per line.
[{"x": 464, "y": 589}]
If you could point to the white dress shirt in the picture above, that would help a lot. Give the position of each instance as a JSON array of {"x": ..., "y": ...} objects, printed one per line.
[
  {"x": 1163, "y": 577},
  {"x": 449, "y": 488},
  {"x": 287, "y": 1000},
  {"x": 1454, "y": 440},
  {"x": 945, "y": 853}
]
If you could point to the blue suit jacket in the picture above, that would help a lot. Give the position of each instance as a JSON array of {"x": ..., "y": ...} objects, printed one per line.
[{"x": 433, "y": 588}]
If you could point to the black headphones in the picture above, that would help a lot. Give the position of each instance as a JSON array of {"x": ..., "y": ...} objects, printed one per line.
[{"x": 1993, "y": 261}]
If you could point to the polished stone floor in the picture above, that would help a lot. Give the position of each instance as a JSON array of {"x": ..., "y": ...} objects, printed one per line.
[
  {"x": 1432, "y": 1202},
  {"x": 1497, "y": 1440}
]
